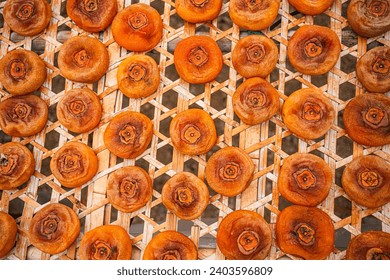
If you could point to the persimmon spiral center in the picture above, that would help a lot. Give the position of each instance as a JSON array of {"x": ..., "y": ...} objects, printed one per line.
[
  {"x": 255, "y": 99},
  {"x": 305, "y": 233},
  {"x": 253, "y": 4},
  {"x": 255, "y": 53},
  {"x": 21, "y": 111},
  {"x": 8, "y": 164},
  {"x": 17, "y": 69},
  {"x": 199, "y": 3},
  {"x": 128, "y": 134},
  {"x": 305, "y": 178},
  {"x": 49, "y": 226},
  {"x": 312, "y": 112},
  {"x": 70, "y": 163},
  {"x": 138, "y": 20},
  {"x": 170, "y": 255},
  {"x": 381, "y": 66},
  {"x": 191, "y": 134},
  {"x": 90, "y": 6},
  {"x": 313, "y": 47},
  {"x": 198, "y": 56},
  {"x": 230, "y": 171},
  {"x": 25, "y": 11},
  {"x": 375, "y": 117},
  {"x": 81, "y": 58},
  {"x": 101, "y": 250},
  {"x": 128, "y": 188},
  {"x": 378, "y": 8},
  {"x": 369, "y": 179},
  {"x": 137, "y": 72},
  {"x": 248, "y": 241},
  {"x": 77, "y": 107},
  {"x": 377, "y": 254},
  {"x": 184, "y": 196}
]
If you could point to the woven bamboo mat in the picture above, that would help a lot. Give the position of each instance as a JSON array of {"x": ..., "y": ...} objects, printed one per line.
[{"x": 268, "y": 144}]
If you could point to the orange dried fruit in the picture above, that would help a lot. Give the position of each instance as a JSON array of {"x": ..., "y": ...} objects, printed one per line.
[
  {"x": 170, "y": 245},
  {"x": 54, "y": 228},
  {"x": 185, "y": 195},
  {"x": 369, "y": 18},
  {"x": 107, "y": 242},
  {"x": 306, "y": 232},
  {"x": 128, "y": 134},
  {"x": 255, "y": 56},
  {"x": 366, "y": 119},
  {"x": 137, "y": 28},
  {"x": 16, "y": 165},
  {"x": 83, "y": 59},
  {"x": 79, "y": 110},
  {"x": 28, "y": 18},
  {"x": 366, "y": 181},
  {"x": 22, "y": 72},
  {"x": 311, "y": 7},
  {"x": 92, "y": 15},
  {"x": 8, "y": 231},
  {"x": 253, "y": 14},
  {"x": 229, "y": 171},
  {"x": 313, "y": 49},
  {"x": 308, "y": 113},
  {"x": 198, "y": 59},
  {"x": 369, "y": 245},
  {"x": 138, "y": 76},
  {"x": 193, "y": 132},
  {"x": 373, "y": 69},
  {"x": 304, "y": 179},
  {"x": 23, "y": 116},
  {"x": 197, "y": 11},
  {"x": 244, "y": 235},
  {"x": 129, "y": 188},
  {"x": 74, "y": 164},
  {"x": 255, "y": 101}
]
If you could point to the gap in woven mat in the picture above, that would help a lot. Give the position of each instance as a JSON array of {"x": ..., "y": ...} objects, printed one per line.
[
  {"x": 191, "y": 166},
  {"x": 274, "y": 76},
  {"x": 344, "y": 147},
  {"x": 140, "y": 162},
  {"x": 202, "y": 29},
  {"x": 224, "y": 22},
  {"x": 292, "y": 86},
  {"x": 113, "y": 215},
  {"x": 197, "y": 89},
  {"x": 348, "y": 63},
  {"x": 267, "y": 215},
  {"x": 158, "y": 212},
  {"x": 322, "y": 19},
  {"x": 4, "y": 137},
  {"x": 158, "y": 5},
  {"x": 164, "y": 126},
  {"x": 148, "y": 110},
  {"x": 290, "y": 144},
  {"x": 371, "y": 223},
  {"x": 137, "y": 226},
  {"x": 224, "y": 74},
  {"x": 58, "y": 84},
  {"x": 16, "y": 206},
  {"x": 171, "y": 73},
  {"x": 44, "y": 194},
  {"x": 165, "y": 154},
  {"x": 342, "y": 207},
  {"x": 45, "y": 167},
  {"x": 220, "y": 126},
  {"x": 169, "y": 99},
  {"x": 317, "y": 153},
  {"x": 347, "y": 91},
  {"x": 349, "y": 38},
  {"x": 1, "y": 20},
  {"x": 283, "y": 203},
  {"x": 53, "y": 113},
  {"x": 155, "y": 55},
  {"x": 218, "y": 100},
  {"x": 341, "y": 238},
  {"x": 319, "y": 80},
  {"x": 340, "y": 119},
  {"x": 175, "y": 21},
  {"x": 51, "y": 139},
  {"x": 373, "y": 44}
]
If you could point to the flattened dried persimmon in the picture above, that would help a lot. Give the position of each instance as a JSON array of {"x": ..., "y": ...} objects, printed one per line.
[
  {"x": 366, "y": 119},
  {"x": 79, "y": 110},
  {"x": 198, "y": 59},
  {"x": 373, "y": 69},
  {"x": 369, "y": 245},
  {"x": 193, "y": 132},
  {"x": 107, "y": 242},
  {"x": 138, "y": 76},
  {"x": 54, "y": 228},
  {"x": 8, "y": 231},
  {"x": 128, "y": 134},
  {"x": 255, "y": 101},
  {"x": 92, "y": 15},
  {"x": 255, "y": 56},
  {"x": 137, "y": 28},
  {"x": 185, "y": 195},
  {"x": 366, "y": 180},
  {"x": 244, "y": 235},
  {"x": 83, "y": 59},
  {"x": 253, "y": 14},
  {"x": 16, "y": 165},
  {"x": 22, "y": 72},
  {"x": 369, "y": 18},
  {"x": 308, "y": 113},
  {"x": 129, "y": 188},
  {"x": 28, "y": 18},
  {"x": 313, "y": 49},
  {"x": 311, "y": 7},
  {"x": 23, "y": 116},
  {"x": 304, "y": 179},
  {"x": 170, "y": 245},
  {"x": 229, "y": 171},
  {"x": 197, "y": 11},
  {"x": 74, "y": 164},
  {"x": 306, "y": 232}
]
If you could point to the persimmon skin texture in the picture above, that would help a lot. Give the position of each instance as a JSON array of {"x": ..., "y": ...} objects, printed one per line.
[
  {"x": 8, "y": 232},
  {"x": 311, "y": 7},
  {"x": 359, "y": 246},
  {"x": 206, "y": 11}
]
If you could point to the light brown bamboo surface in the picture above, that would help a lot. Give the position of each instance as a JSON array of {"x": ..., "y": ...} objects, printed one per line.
[{"x": 268, "y": 144}]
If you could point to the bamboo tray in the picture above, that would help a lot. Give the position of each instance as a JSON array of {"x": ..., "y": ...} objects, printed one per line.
[{"x": 268, "y": 144}]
